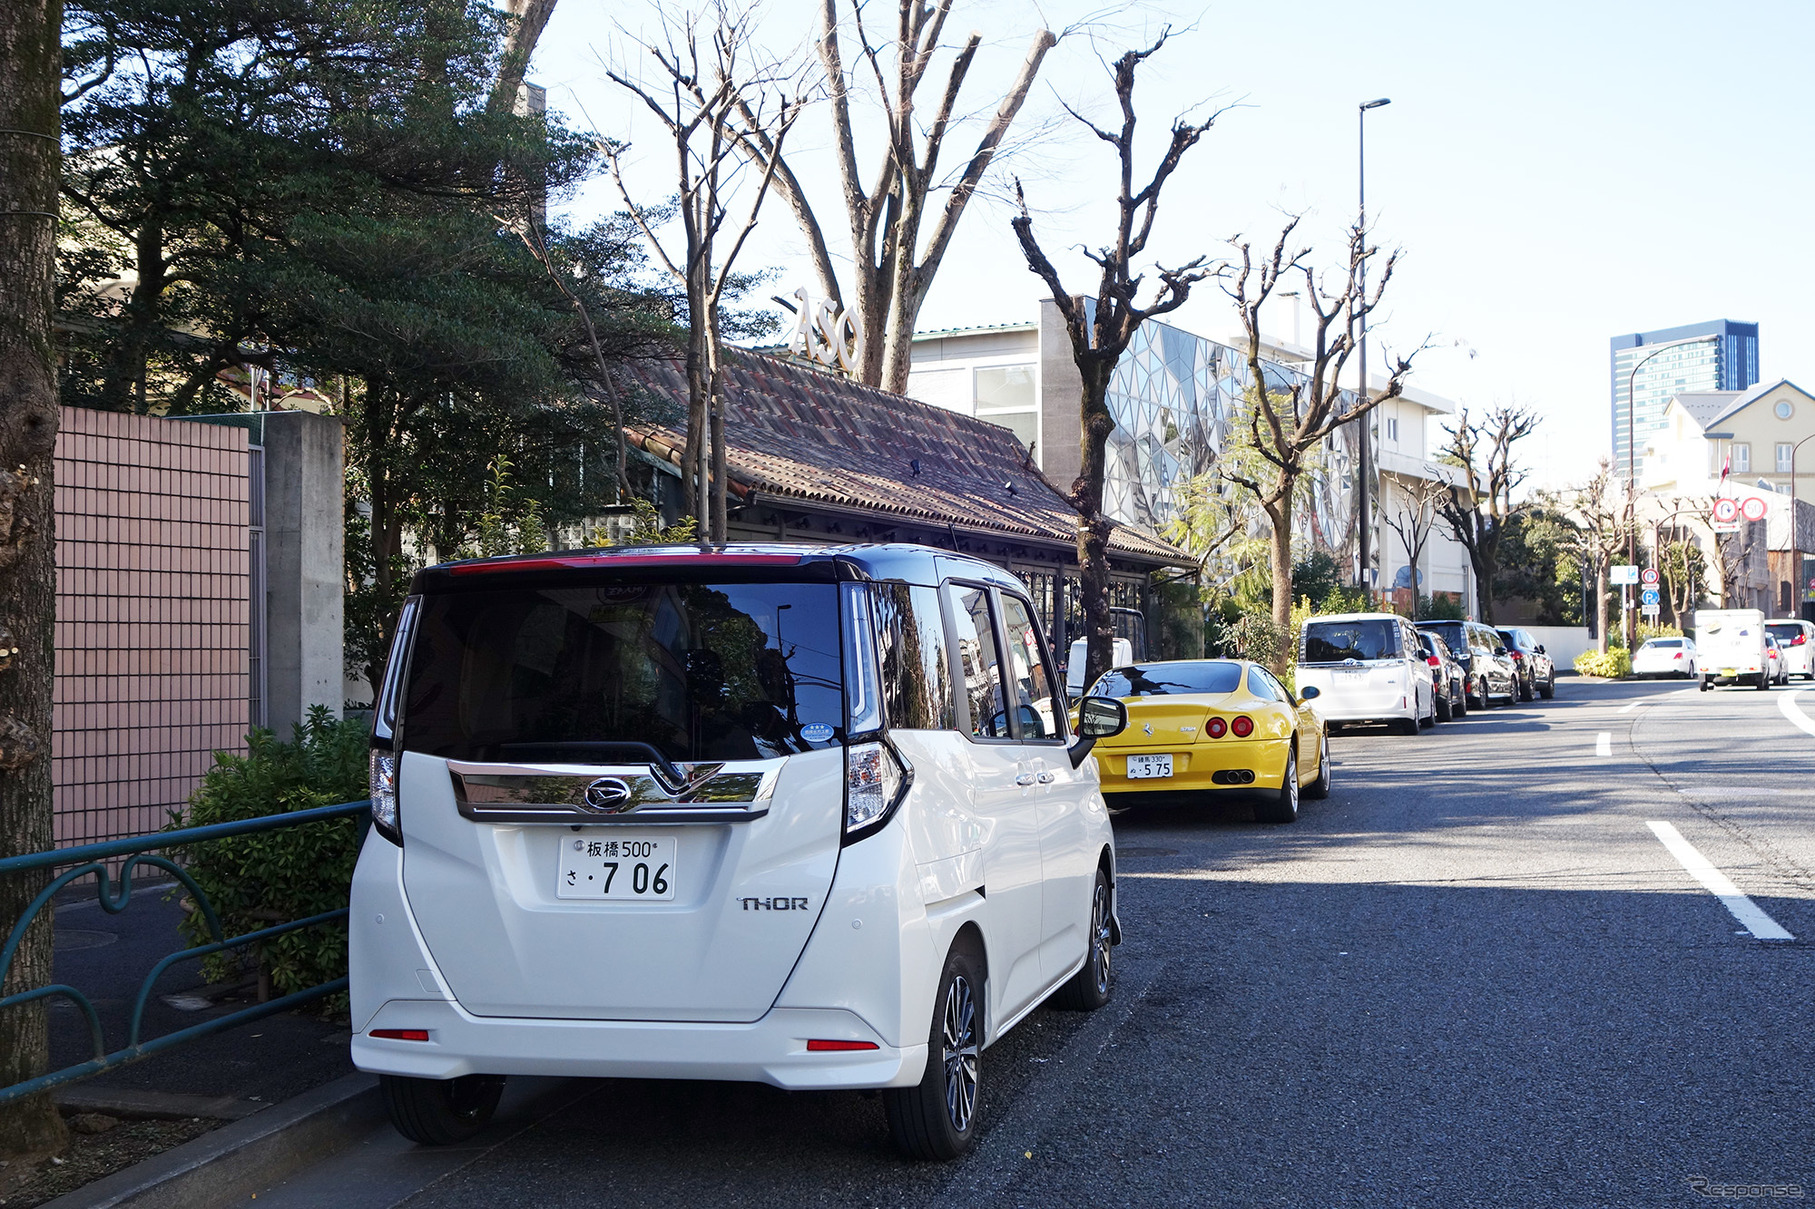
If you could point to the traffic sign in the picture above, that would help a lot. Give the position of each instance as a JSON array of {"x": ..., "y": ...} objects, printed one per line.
[
  {"x": 1754, "y": 508},
  {"x": 1623, "y": 573},
  {"x": 1648, "y": 575},
  {"x": 1648, "y": 598},
  {"x": 1652, "y": 610},
  {"x": 1726, "y": 511}
]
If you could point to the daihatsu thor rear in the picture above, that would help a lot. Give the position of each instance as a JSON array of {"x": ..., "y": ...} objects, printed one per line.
[{"x": 612, "y": 794}]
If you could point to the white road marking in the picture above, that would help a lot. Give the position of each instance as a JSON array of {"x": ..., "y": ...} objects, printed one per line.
[
  {"x": 1603, "y": 744},
  {"x": 1626, "y": 709},
  {"x": 1786, "y": 704},
  {"x": 1747, "y": 912}
]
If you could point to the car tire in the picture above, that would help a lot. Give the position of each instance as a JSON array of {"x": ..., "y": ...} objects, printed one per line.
[
  {"x": 1764, "y": 681},
  {"x": 1526, "y": 690},
  {"x": 1408, "y": 726},
  {"x": 1705, "y": 685},
  {"x": 1090, "y": 988},
  {"x": 1445, "y": 711},
  {"x": 1461, "y": 707},
  {"x": 936, "y": 1119},
  {"x": 1320, "y": 788},
  {"x": 1283, "y": 807},
  {"x": 440, "y": 1112},
  {"x": 1550, "y": 687}
]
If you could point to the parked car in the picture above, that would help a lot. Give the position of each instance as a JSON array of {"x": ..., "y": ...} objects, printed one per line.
[
  {"x": 1779, "y": 666},
  {"x": 1484, "y": 658},
  {"x": 1368, "y": 667},
  {"x": 1202, "y": 728},
  {"x": 673, "y": 813},
  {"x": 1731, "y": 646},
  {"x": 1536, "y": 673},
  {"x": 1665, "y": 657},
  {"x": 1796, "y": 638},
  {"x": 1448, "y": 678}
]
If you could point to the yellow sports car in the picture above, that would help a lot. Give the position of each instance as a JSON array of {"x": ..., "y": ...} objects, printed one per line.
[{"x": 1203, "y": 726}]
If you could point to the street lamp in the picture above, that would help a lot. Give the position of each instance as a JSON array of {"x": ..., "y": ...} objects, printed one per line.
[
  {"x": 1627, "y": 616},
  {"x": 1361, "y": 161},
  {"x": 1795, "y": 530}
]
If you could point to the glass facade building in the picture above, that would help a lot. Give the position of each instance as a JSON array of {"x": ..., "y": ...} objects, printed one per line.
[{"x": 1718, "y": 355}]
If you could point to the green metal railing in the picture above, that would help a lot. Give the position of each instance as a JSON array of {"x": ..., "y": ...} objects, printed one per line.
[{"x": 92, "y": 859}]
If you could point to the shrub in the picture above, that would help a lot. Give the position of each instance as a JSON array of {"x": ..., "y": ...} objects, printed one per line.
[
  {"x": 271, "y": 877},
  {"x": 1614, "y": 665}
]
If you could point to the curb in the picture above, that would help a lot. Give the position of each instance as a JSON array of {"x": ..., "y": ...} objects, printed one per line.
[{"x": 226, "y": 1166}]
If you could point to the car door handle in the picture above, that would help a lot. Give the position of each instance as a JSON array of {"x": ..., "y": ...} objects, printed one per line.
[
  {"x": 1045, "y": 777},
  {"x": 1025, "y": 778}
]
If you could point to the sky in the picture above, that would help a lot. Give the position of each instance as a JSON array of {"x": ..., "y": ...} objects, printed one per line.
[{"x": 1553, "y": 174}]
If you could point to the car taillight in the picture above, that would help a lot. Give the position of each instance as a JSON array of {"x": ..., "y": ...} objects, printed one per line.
[
  {"x": 1517, "y": 655},
  {"x": 1799, "y": 640},
  {"x": 875, "y": 780},
  {"x": 384, "y": 794},
  {"x": 1678, "y": 655},
  {"x": 827, "y": 1046},
  {"x": 1242, "y": 727},
  {"x": 1216, "y": 728},
  {"x": 401, "y": 1034},
  {"x": 1433, "y": 661}
]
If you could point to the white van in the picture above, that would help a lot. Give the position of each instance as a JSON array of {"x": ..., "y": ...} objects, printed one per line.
[
  {"x": 1730, "y": 644},
  {"x": 1796, "y": 639},
  {"x": 1367, "y": 667},
  {"x": 773, "y": 813}
]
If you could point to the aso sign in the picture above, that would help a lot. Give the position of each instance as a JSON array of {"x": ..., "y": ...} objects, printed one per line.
[{"x": 827, "y": 335}]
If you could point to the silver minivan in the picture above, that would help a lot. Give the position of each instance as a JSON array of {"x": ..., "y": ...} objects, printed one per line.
[{"x": 1367, "y": 667}]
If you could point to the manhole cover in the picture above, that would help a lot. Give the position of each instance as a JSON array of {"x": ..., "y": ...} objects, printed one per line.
[
  {"x": 1140, "y": 852},
  {"x": 67, "y": 940}
]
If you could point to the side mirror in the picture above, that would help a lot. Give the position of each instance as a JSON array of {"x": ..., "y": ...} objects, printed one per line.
[
  {"x": 1499, "y": 650},
  {"x": 1540, "y": 648},
  {"x": 1098, "y": 718},
  {"x": 1309, "y": 692}
]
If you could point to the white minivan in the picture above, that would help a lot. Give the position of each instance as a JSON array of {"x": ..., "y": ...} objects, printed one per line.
[
  {"x": 1367, "y": 667},
  {"x": 809, "y": 816}
]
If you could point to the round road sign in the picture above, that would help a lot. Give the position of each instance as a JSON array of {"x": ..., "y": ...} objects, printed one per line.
[
  {"x": 1648, "y": 597},
  {"x": 1754, "y": 508},
  {"x": 1726, "y": 510},
  {"x": 1648, "y": 575}
]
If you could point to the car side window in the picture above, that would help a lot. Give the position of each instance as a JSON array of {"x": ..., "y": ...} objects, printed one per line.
[
  {"x": 1259, "y": 686},
  {"x": 916, "y": 668},
  {"x": 1029, "y": 683},
  {"x": 978, "y": 663}
]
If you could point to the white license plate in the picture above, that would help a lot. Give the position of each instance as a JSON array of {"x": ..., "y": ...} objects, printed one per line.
[
  {"x": 617, "y": 867},
  {"x": 1350, "y": 673},
  {"x": 1143, "y": 767}
]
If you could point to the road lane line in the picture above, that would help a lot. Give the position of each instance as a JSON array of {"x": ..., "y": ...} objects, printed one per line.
[
  {"x": 1626, "y": 709},
  {"x": 1747, "y": 912},
  {"x": 1603, "y": 744},
  {"x": 1786, "y": 705}
]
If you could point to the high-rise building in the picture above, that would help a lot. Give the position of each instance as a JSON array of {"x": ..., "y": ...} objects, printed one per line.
[{"x": 1718, "y": 355}]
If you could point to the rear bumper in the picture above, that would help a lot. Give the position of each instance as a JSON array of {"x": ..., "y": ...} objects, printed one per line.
[
  {"x": 1194, "y": 767},
  {"x": 771, "y": 1050}
]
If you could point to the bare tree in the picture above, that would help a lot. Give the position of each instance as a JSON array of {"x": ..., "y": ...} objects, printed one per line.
[
  {"x": 527, "y": 18},
  {"x": 892, "y": 266},
  {"x": 1479, "y": 508},
  {"x": 30, "y": 77},
  {"x": 1100, "y": 337},
  {"x": 1412, "y": 521},
  {"x": 1602, "y": 525},
  {"x": 708, "y": 99},
  {"x": 1290, "y": 418}
]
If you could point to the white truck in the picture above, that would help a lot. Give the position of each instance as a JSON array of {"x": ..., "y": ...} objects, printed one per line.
[{"x": 1730, "y": 647}]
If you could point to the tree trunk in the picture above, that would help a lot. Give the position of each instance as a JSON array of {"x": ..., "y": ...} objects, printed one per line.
[
  {"x": 1093, "y": 526},
  {"x": 30, "y": 68},
  {"x": 1279, "y": 552},
  {"x": 1600, "y": 608}
]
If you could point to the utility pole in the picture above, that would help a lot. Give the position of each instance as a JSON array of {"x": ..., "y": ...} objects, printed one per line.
[{"x": 1363, "y": 483}]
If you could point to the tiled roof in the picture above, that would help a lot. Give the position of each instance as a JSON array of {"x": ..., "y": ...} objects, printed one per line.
[{"x": 796, "y": 432}]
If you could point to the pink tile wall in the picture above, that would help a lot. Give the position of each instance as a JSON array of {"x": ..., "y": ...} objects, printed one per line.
[{"x": 152, "y": 621}]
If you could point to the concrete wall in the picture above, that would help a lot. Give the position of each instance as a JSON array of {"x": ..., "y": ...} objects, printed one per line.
[
  {"x": 1562, "y": 642},
  {"x": 305, "y": 662},
  {"x": 152, "y": 616}
]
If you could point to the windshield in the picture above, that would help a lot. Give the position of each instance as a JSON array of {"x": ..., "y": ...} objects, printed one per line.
[
  {"x": 1335, "y": 641},
  {"x": 1163, "y": 679},
  {"x": 699, "y": 671}
]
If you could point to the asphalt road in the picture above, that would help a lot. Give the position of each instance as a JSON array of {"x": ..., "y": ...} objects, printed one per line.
[{"x": 1474, "y": 976}]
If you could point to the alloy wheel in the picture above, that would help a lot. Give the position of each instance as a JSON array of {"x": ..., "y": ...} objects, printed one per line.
[
  {"x": 1099, "y": 937},
  {"x": 958, "y": 1030}
]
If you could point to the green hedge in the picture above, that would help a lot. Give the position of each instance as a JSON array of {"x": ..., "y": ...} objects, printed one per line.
[
  {"x": 1614, "y": 665},
  {"x": 255, "y": 881}
]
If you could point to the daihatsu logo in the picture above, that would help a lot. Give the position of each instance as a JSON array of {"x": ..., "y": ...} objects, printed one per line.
[{"x": 607, "y": 795}]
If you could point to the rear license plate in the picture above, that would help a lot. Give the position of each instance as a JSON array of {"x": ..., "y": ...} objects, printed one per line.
[
  {"x": 636, "y": 867},
  {"x": 1143, "y": 767},
  {"x": 1349, "y": 673}
]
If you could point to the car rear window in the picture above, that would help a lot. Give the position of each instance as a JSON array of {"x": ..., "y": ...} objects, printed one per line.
[
  {"x": 698, "y": 671},
  {"x": 1784, "y": 631},
  {"x": 1455, "y": 637},
  {"x": 1335, "y": 641},
  {"x": 1163, "y": 679},
  {"x": 1664, "y": 643}
]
